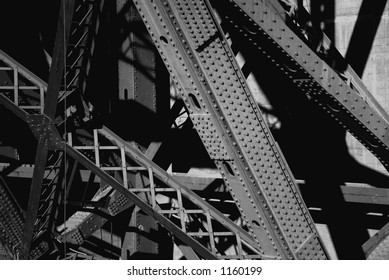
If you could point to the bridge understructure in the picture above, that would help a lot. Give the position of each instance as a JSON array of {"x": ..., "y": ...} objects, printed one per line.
[{"x": 193, "y": 129}]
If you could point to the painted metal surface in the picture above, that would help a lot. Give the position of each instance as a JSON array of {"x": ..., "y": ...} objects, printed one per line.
[
  {"x": 310, "y": 72},
  {"x": 208, "y": 212},
  {"x": 229, "y": 124},
  {"x": 11, "y": 225},
  {"x": 49, "y": 109},
  {"x": 231, "y": 127}
]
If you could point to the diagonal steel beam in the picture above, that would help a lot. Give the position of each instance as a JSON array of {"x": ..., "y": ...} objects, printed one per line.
[
  {"x": 142, "y": 204},
  {"x": 13, "y": 108},
  {"x": 141, "y": 159},
  {"x": 232, "y": 129},
  {"x": 308, "y": 68},
  {"x": 51, "y": 100}
]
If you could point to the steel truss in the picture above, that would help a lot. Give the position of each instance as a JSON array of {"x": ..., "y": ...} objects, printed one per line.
[
  {"x": 208, "y": 217},
  {"x": 199, "y": 211},
  {"x": 349, "y": 104},
  {"x": 341, "y": 94},
  {"x": 274, "y": 222}
]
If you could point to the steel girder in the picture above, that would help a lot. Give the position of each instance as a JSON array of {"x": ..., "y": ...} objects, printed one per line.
[
  {"x": 339, "y": 93},
  {"x": 211, "y": 215},
  {"x": 195, "y": 51},
  {"x": 11, "y": 225},
  {"x": 11, "y": 220},
  {"x": 26, "y": 91},
  {"x": 78, "y": 59},
  {"x": 351, "y": 105},
  {"x": 80, "y": 224},
  {"x": 140, "y": 72},
  {"x": 42, "y": 124},
  {"x": 245, "y": 246},
  {"x": 231, "y": 127},
  {"x": 183, "y": 197}
]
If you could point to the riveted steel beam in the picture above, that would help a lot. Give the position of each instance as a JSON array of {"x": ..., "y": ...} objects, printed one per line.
[
  {"x": 149, "y": 209},
  {"x": 296, "y": 58},
  {"x": 26, "y": 93},
  {"x": 141, "y": 77},
  {"x": 162, "y": 175},
  {"x": 58, "y": 59},
  {"x": 45, "y": 132},
  {"x": 229, "y": 229},
  {"x": 11, "y": 225},
  {"x": 138, "y": 201},
  {"x": 11, "y": 219},
  {"x": 81, "y": 47},
  {"x": 231, "y": 127},
  {"x": 50, "y": 107},
  {"x": 352, "y": 192},
  {"x": 77, "y": 58}
]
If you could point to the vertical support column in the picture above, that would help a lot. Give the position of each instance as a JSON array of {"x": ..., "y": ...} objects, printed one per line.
[
  {"x": 138, "y": 86},
  {"x": 51, "y": 101}
]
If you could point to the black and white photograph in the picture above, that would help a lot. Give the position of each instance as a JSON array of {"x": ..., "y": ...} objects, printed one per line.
[{"x": 236, "y": 131}]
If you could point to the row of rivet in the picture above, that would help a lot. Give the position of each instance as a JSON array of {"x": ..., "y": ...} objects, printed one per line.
[
  {"x": 177, "y": 82},
  {"x": 315, "y": 90},
  {"x": 248, "y": 223},
  {"x": 215, "y": 69},
  {"x": 373, "y": 124},
  {"x": 304, "y": 236},
  {"x": 217, "y": 64},
  {"x": 279, "y": 202},
  {"x": 10, "y": 218}
]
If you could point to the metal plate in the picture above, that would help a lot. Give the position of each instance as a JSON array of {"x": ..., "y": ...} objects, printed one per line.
[{"x": 45, "y": 132}]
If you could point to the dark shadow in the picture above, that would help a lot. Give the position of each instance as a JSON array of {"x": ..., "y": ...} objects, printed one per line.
[
  {"x": 17, "y": 137},
  {"x": 365, "y": 29},
  {"x": 323, "y": 15},
  {"x": 140, "y": 112},
  {"x": 102, "y": 248},
  {"x": 27, "y": 28},
  {"x": 184, "y": 141},
  {"x": 161, "y": 237}
]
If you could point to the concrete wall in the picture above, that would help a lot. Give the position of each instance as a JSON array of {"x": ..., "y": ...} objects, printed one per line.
[{"x": 376, "y": 72}]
